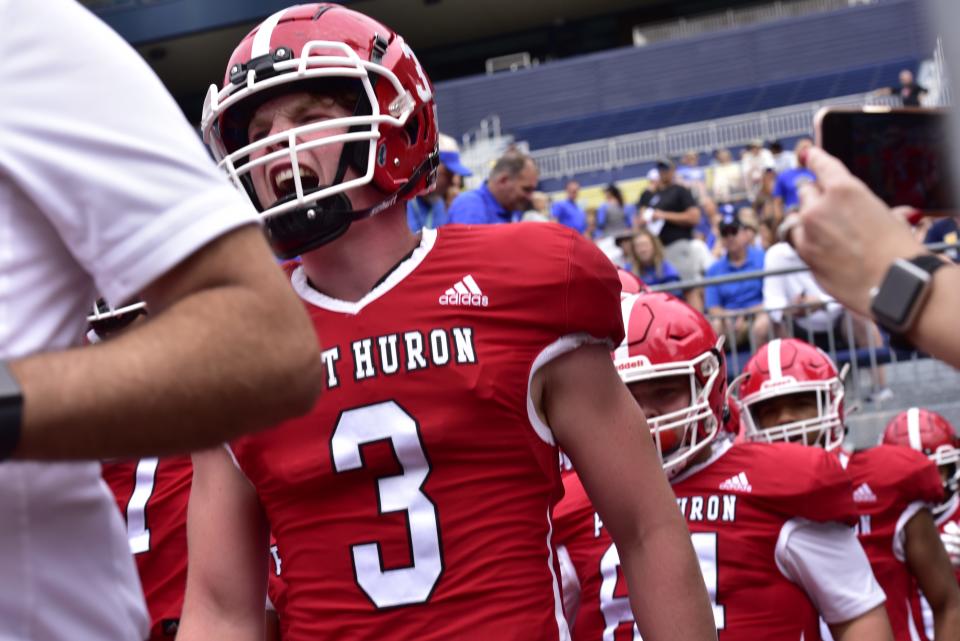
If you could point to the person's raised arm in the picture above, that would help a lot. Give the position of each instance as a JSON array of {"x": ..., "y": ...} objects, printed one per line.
[
  {"x": 849, "y": 238},
  {"x": 228, "y": 349},
  {"x": 228, "y": 540},
  {"x": 930, "y": 565},
  {"x": 601, "y": 428}
]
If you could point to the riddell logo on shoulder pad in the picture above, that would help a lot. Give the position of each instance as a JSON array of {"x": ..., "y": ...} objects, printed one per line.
[{"x": 465, "y": 292}]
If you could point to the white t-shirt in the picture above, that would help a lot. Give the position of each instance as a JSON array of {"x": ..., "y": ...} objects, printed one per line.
[
  {"x": 781, "y": 291},
  {"x": 104, "y": 186}
]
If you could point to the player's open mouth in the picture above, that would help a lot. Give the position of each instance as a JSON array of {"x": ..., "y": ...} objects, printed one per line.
[{"x": 284, "y": 185}]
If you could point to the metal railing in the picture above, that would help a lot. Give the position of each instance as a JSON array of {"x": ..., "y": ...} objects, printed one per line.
[
  {"x": 733, "y": 18},
  {"x": 705, "y": 136}
]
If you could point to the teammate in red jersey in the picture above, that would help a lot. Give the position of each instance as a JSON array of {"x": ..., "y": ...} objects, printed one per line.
[
  {"x": 930, "y": 433},
  {"x": 768, "y": 521},
  {"x": 791, "y": 391},
  {"x": 415, "y": 500},
  {"x": 152, "y": 495}
]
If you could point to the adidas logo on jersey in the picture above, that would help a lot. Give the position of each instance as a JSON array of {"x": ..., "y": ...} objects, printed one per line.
[
  {"x": 465, "y": 292},
  {"x": 864, "y": 494},
  {"x": 738, "y": 483}
]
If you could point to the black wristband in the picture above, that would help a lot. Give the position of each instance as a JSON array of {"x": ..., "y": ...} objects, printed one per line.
[{"x": 11, "y": 412}]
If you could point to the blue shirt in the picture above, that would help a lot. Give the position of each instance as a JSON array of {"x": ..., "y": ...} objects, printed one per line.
[
  {"x": 945, "y": 230},
  {"x": 424, "y": 213},
  {"x": 629, "y": 211},
  {"x": 569, "y": 213},
  {"x": 479, "y": 207},
  {"x": 787, "y": 185},
  {"x": 668, "y": 274},
  {"x": 740, "y": 294}
]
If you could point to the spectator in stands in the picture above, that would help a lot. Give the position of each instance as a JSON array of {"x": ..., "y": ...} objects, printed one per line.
[
  {"x": 539, "y": 211},
  {"x": 782, "y": 159},
  {"x": 785, "y": 194},
  {"x": 673, "y": 208},
  {"x": 612, "y": 215},
  {"x": 692, "y": 176},
  {"x": 643, "y": 203},
  {"x": 647, "y": 261},
  {"x": 567, "y": 212},
  {"x": 751, "y": 225},
  {"x": 430, "y": 211},
  {"x": 764, "y": 204},
  {"x": 726, "y": 179},
  {"x": 749, "y": 323},
  {"x": 945, "y": 230},
  {"x": 753, "y": 162},
  {"x": 767, "y": 233},
  {"x": 908, "y": 90},
  {"x": 799, "y": 308},
  {"x": 503, "y": 197}
]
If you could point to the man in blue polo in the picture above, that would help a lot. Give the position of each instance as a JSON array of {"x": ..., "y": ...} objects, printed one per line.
[
  {"x": 430, "y": 210},
  {"x": 568, "y": 212},
  {"x": 751, "y": 324},
  {"x": 503, "y": 197}
]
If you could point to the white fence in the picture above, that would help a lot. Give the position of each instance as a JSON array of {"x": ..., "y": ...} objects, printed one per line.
[{"x": 632, "y": 149}]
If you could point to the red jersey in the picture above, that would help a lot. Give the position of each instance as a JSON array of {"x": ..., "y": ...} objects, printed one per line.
[
  {"x": 891, "y": 483},
  {"x": 948, "y": 522},
  {"x": 414, "y": 501},
  {"x": 740, "y": 507},
  {"x": 152, "y": 495}
]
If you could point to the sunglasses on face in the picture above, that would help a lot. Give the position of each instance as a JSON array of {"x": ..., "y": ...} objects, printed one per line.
[{"x": 729, "y": 231}]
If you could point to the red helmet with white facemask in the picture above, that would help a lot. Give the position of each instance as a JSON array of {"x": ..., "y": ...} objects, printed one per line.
[
  {"x": 785, "y": 367},
  {"x": 629, "y": 283},
  {"x": 389, "y": 140},
  {"x": 931, "y": 434},
  {"x": 665, "y": 337}
]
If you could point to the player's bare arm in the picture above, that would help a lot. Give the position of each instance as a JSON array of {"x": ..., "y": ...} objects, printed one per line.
[
  {"x": 228, "y": 310},
  {"x": 601, "y": 428},
  {"x": 870, "y": 626},
  {"x": 227, "y": 535},
  {"x": 929, "y": 563}
]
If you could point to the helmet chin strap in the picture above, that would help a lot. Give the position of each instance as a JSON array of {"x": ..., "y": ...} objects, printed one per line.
[{"x": 318, "y": 223}]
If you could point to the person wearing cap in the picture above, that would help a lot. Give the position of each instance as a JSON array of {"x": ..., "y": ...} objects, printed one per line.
[
  {"x": 750, "y": 325},
  {"x": 430, "y": 211},
  {"x": 503, "y": 197},
  {"x": 674, "y": 210}
]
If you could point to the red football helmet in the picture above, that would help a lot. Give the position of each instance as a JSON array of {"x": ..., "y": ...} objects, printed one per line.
[
  {"x": 784, "y": 367},
  {"x": 930, "y": 433},
  {"x": 390, "y": 139},
  {"x": 630, "y": 283},
  {"x": 665, "y": 337}
]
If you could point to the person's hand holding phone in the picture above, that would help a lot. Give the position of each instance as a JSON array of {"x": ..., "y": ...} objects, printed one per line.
[{"x": 846, "y": 234}]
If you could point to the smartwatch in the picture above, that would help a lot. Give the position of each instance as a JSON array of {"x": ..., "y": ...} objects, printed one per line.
[
  {"x": 905, "y": 288},
  {"x": 11, "y": 412}
]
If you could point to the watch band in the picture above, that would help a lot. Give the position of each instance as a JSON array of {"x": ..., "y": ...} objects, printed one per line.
[
  {"x": 11, "y": 412},
  {"x": 929, "y": 263}
]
